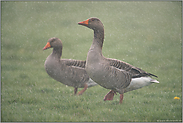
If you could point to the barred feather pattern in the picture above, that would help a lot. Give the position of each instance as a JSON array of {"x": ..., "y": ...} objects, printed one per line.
[
  {"x": 127, "y": 80},
  {"x": 76, "y": 63},
  {"x": 135, "y": 71}
]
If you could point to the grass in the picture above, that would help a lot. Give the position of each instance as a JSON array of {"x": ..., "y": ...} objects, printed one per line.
[{"x": 144, "y": 34}]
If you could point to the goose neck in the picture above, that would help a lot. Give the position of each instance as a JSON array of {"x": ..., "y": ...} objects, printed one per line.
[
  {"x": 57, "y": 53},
  {"x": 98, "y": 38}
]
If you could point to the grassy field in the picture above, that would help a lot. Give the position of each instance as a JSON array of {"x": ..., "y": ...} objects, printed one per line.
[{"x": 144, "y": 34}]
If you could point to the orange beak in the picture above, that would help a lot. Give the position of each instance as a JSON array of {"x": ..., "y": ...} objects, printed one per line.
[
  {"x": 47, "y": 46},
  {"x": 85, "y": 23}
]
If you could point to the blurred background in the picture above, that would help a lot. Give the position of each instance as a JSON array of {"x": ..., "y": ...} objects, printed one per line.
[{"x": 144, "y": 34}]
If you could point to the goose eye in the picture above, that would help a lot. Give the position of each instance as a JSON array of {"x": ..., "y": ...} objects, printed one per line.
[
  {"x": 92, "y": 19},
  {"x": 53, "y": 40}
]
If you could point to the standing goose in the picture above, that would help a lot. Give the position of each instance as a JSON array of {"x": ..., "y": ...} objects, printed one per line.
[
  {"x": 112, "y": 74},
  {"x": 67, "y": 71}
]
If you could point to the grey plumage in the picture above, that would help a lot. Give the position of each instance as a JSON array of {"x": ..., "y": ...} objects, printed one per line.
[{"x": 67, "y": 71}]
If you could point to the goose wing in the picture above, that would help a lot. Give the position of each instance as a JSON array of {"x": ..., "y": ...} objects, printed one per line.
[
  {"x": 76, "y": 63},
  {"x": 135, "y": 71}
]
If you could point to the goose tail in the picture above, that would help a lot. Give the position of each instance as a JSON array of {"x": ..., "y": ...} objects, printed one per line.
[
  {"x": 154, "y": 81},
  {"x": 91, "y": 83}
]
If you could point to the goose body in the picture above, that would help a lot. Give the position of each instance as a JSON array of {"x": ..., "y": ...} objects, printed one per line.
[
  {"x": 110, "y": 73},
  {"x": 67, "y": 71}
]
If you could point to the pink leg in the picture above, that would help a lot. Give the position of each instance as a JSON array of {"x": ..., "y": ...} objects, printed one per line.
[
  {"x": 121, "y": 99},
  {"x": 109, "y": 95},
  {"x": 84, "y": 89},
  {"x": 75, "y": 90}
]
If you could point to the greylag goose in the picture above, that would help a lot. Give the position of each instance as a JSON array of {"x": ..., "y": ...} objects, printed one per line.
[
  {"x": 67, "y": 71},
  {"x": 110, "y": 73}
]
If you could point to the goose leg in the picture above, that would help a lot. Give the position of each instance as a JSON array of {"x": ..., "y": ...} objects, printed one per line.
[
  {"x": 109, "y": 95},
  {"x": 84, "y": 89},
  {"x": 121, "y": 99},
  {"x": 75, "y": 90}
]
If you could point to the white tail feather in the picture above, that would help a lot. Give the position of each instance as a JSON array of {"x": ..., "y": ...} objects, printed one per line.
[
  {"x": 91, "y": 83},
  {"x": 154, "y": 81},
  {"x": 137, "y": 83}
]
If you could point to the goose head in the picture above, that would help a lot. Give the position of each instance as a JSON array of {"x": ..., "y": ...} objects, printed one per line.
[
  {"x": 92, "y": 23},
  {"x": 53, "y": 43}
]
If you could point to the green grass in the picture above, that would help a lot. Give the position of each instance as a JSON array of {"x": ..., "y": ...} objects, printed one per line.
[{"x": 144, "y": 34}]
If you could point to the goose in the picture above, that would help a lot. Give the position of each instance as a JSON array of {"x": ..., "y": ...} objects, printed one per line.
[
  {"x": 67, "y": 71},
  {"x": 113, "y": 74}
]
